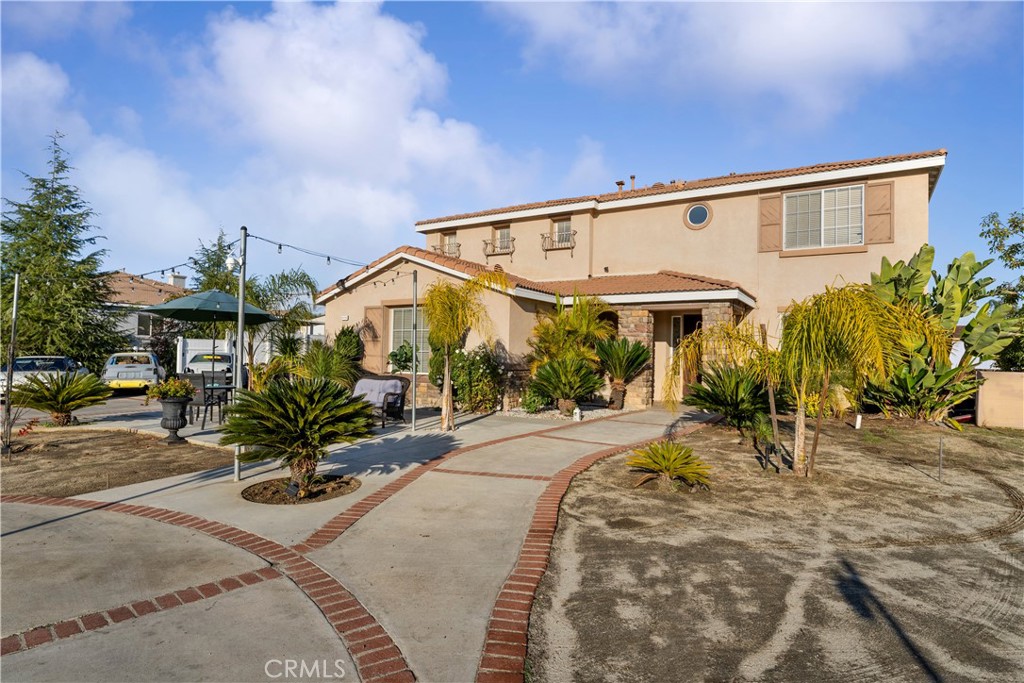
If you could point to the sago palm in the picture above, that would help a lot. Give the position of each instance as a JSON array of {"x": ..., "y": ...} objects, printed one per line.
[
  {"x": 622, "y": 360},
  {"x": 670, "y": 461},
  {"x": 566, "y": 381},
  {"x": 60, "y": 394},
  {"x": 735, "y": 392},
  {"x": 452, "y": 311},
  {"x": 295, "y": 422}
]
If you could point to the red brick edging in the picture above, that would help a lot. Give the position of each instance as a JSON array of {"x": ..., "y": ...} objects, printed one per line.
[
  {"x": 374, "y": 652},
  {"x": 503, "y": 658}
]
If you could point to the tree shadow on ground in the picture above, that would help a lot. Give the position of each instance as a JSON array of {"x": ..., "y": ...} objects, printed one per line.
[
  {"x": 388, "y": 454},
  {"x": 868, "y": 606}
]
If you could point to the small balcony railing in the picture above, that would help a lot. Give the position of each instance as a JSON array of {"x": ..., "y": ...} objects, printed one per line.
[
  {"x": 559, "y": 240},
  {"x": 499, "y": 246},
  {"x": 453, "y": 249}
]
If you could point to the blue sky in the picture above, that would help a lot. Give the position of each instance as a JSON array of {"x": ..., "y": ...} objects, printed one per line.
[{"x": 336, "y": 126}]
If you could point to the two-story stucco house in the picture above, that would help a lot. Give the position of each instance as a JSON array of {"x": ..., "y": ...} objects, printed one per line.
[{"x": 667, "y": 258}]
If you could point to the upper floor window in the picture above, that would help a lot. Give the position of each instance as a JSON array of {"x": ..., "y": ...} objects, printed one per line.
[
  {"x": 562, "y": 231},
  {"x": 503, "y": 238},
  {"x": 825, "y": 218},
  {"x": 448, "y": 245}
]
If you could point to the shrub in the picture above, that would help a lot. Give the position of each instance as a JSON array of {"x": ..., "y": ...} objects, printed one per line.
[
  {"x": 401, "y": 358},
  {"x": 348, "y": 343},
  {"x": 622, "y": 360},
  {"x": 172, "y": 387},
  {"x": 477, "y": 376},
  {"x": 923, "y": 393},
  {"x": 60, "y": 394},
  {"x": 533, "y": 400},
  {"x": 295, "y": 421},
  {"x": 567, "y": 381},
  {"x": 261, "y": 374},
  {"x": 670, "y": 461},
  {"x": 732, "y": 391},
  {"x": 324, "y": 361}
]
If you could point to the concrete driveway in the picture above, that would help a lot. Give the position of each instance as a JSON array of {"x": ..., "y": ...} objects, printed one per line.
[{"x": 426, "y": 572}]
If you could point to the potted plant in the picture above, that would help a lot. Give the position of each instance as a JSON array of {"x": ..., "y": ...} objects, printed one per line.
[{"x": 174, "y": 394}]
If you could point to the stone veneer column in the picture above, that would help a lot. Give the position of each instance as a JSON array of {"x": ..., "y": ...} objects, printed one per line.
[
  {"x": 717, "y": 312},
  {"x": 637, "y": 324}
]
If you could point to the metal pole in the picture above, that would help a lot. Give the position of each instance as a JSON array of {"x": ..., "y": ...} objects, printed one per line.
[
  {"x": 243, "y": 238},
  {"x": 415, "y": 349},
  {"x": 8, "y": 421}
]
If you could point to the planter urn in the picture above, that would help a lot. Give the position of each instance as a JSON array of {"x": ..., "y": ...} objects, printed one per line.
[{"x": 173, "y": 418}]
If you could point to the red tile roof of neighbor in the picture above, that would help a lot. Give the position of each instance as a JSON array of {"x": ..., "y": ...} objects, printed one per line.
[
  {"x": 141, "y": 291},
  {"x": 605, "y": 285},
  {"x": 680, "y": 185}
]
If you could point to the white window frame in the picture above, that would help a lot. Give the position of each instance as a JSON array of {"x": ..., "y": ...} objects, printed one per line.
[
  {"x": 821, "y": 218},
  {"x": 422, "y": 331}
]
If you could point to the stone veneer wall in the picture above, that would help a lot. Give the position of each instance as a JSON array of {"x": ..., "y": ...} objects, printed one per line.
[{"x": 637, "y": 324}]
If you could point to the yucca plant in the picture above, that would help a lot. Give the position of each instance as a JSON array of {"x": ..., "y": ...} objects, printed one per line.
[
  {"x": 622, "y": 360},
  {"x": 295, "y": 421},
  {"x": 60, "y": 394},
  {"x": 733, "y": 391},
  {"x": 566, "y": 381},
  {"x": 670, "y": 461}
]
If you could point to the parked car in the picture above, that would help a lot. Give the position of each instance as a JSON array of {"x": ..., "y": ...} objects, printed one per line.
[
  {"x": 133, "y": 370},
  {"x": 26, "y": 366}
]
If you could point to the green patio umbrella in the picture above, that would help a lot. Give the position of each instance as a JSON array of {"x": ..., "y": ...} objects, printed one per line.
[{"x": 212, "y": 306}]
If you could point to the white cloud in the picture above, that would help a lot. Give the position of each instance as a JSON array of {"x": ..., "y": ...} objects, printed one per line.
[
  {"x": 55, "y": 20},
  {"x": 814, "y": 57},
  {"x": 35, "y": 95},
  {"x": 589, "y": 171}
]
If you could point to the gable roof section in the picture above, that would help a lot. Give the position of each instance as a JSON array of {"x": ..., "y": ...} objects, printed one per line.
[
  {"x": 664, "y": 285},
  {"x": 132, "y": 290},
  {"x": 685, "y": 189}
]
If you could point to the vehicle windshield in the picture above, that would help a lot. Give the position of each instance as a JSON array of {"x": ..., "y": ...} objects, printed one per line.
[
  {"x": 41, "y": 364},
  {"x": 210, "y": 358},
  {"x": 134, "y": 359}
]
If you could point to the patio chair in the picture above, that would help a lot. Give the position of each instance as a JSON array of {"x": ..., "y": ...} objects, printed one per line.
[{"x": 214, "y": 394}]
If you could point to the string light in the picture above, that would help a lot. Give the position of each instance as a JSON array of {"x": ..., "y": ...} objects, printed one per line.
[
  {"x": 329, "y": 257},
  {"x": 279, "y": 249}
]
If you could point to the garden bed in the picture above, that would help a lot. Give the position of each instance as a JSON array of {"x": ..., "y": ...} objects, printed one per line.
[
  {"x": 873, "y": 570},
  {"x": 70, "y": 461},
  {"x": 273, "y": 491}
]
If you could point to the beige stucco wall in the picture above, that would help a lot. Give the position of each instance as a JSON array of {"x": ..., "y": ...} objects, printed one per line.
[
  {"x": 651, "y": 238},
  {"x": 1001, "y": 399},
  {"x": 393, "y": 288}
]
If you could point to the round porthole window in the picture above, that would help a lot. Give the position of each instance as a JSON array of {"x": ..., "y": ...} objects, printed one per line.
[{"x": 698, "y": 216}]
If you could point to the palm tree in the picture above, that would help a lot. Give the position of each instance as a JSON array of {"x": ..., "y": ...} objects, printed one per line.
[
  {"x": 622, "y": 360},
  {"x": 326, "y": 361},
  {"x": 846, "y": 327},
  {"x": 295, "y": 421},
  {"x": 60, "y": 394},
  {"x": 452, "y": 311},
  {"x": 570, "y": 331}
]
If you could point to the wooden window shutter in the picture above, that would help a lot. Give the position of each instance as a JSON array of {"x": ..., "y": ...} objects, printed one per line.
[
  {"x": 878, "y": 223},
  {"x": 372, "y": 333},
  {"x": 770, "y": 224}
]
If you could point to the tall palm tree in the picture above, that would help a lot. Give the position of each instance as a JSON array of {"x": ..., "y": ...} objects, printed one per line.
[
  {"x": 847, "y": 327},
  {"x": 452, "y": 311}
]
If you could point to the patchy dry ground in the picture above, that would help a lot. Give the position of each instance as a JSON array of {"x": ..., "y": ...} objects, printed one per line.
[
  {"x": 872, "y": 571},
  {"x": 70, "y": 461}
]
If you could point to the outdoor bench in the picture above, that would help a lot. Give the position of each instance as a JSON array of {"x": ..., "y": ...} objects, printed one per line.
[{"x": 385, "y": 394}]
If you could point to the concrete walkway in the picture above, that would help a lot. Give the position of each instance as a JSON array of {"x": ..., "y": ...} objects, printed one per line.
[{"x": 426, "y": 572}]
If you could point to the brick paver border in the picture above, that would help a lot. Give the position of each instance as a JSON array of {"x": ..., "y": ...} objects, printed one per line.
[
  {"x": 374, "y": 652},
  {"x": 503, "y": 658}
]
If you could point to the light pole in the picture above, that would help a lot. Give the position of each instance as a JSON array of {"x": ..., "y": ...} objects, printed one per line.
[
  {"x": 237, "y": 379},
  {"x": 415, "y": 349}
]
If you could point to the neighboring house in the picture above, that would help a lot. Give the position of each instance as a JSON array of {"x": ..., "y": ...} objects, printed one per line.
[
  {"x": 668, "y": 258},
  {"x": 132, "y": 292}
]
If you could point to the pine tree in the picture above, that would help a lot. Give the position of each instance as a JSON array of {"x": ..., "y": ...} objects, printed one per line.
[{"x": 61, "y": 307}]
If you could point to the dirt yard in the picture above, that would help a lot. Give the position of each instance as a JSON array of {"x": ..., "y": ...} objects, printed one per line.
[
  {"x": 70, "y": 461},
  {"x": 871, "y": 571}
]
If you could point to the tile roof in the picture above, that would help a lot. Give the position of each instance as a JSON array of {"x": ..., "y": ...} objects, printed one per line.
[
  {"x": 605, "y": 285},
  {"x": 140, "y": 291},
  {"x": 680, "y": 185}
]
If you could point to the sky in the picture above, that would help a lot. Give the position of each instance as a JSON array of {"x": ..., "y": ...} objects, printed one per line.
[{"x": 335, "y": 127}]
